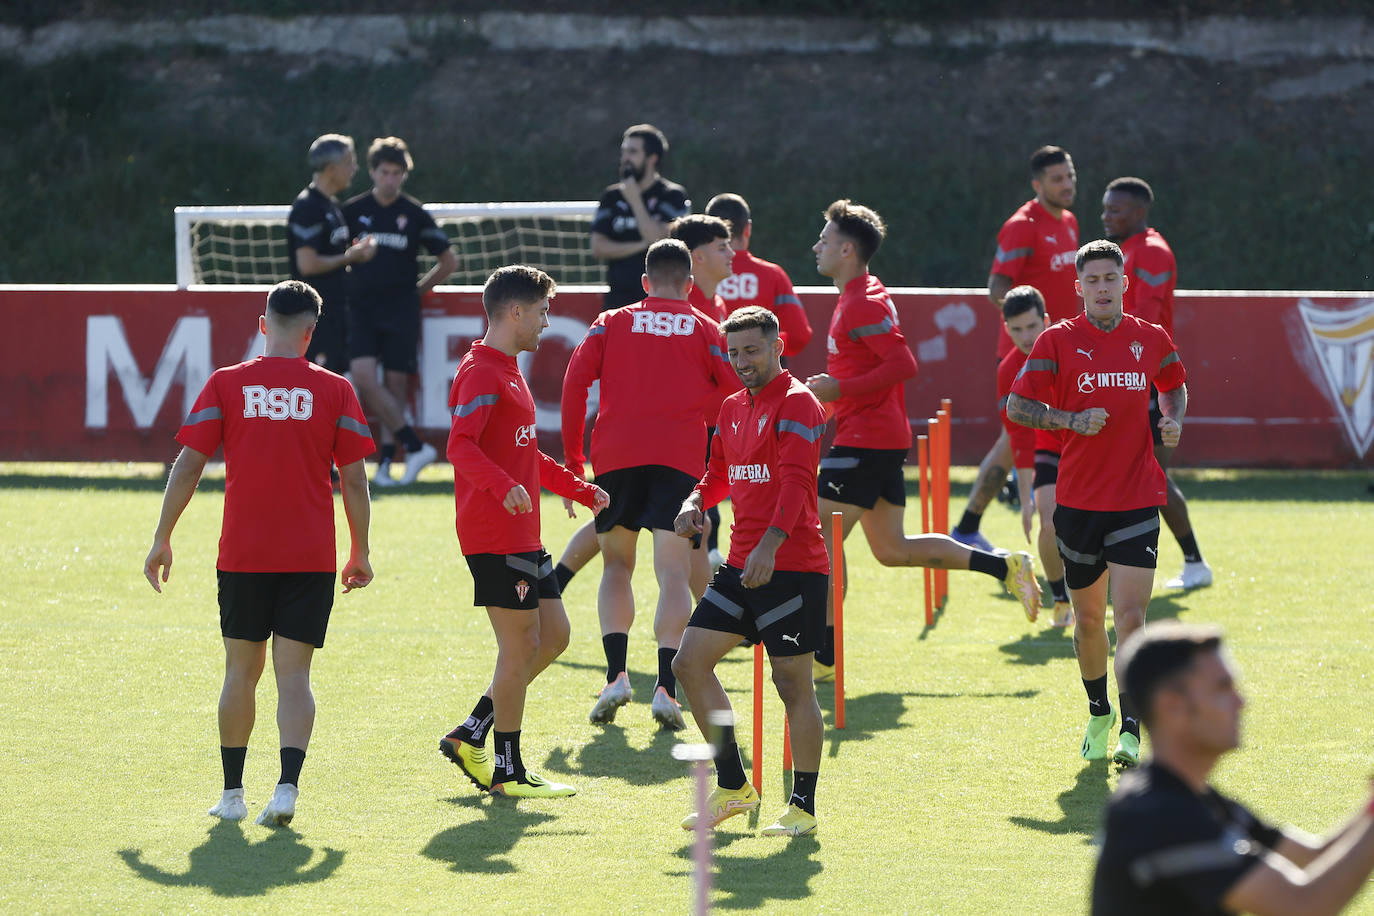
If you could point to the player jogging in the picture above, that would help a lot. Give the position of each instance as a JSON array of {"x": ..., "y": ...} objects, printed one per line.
[
  {"x": 1091, "y": 375},
  {"x": 867, "y": 365},
  {"x": 497, "y": 472},
  {"x": 282, "y": 421},
  {"x": 772, "y": 587},
  {"x": 660, "y": 364}
]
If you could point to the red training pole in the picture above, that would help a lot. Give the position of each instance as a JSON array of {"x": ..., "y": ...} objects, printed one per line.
[
  {"x": 837, "y": 584},
  {"x": 786, "y": 745},
  {"x": 923, "y": 457},
  {"x": 940, "y": 499},
  {"x": 758, "y": 718}
]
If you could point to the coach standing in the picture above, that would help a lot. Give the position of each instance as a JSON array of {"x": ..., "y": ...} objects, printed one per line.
[
  {"x": 317, "y": 243},
  {"x": 282, "y": 420},
  {"x": 634, "y": 213}
]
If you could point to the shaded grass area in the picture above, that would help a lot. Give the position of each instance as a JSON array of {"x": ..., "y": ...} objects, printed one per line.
[{"x": 956, "y": 782}]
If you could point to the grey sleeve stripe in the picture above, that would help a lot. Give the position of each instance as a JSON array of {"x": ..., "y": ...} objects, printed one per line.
[
  {"x": 1040, "y": 365},
  {"x": 1004, "y": 256},
  {"x": 809, "y": 433},
  {"x": 200, "y": 416},
  {"x": 768, "y": 618},
  {"x": 597, "y": 329},
  {"x": 1158, "y": 279},
  {"x": 1212, "y": 855},
  {"x": 1131, "y": 531},
  {"x": 725, "y": 604},
  {"x": 868, "y": 330},
  {"x": 1084, "y": 559},
  {"x": 719, "y": 353},
  {"x": 1002, "y": 402},
  {"x": 435, "y": 233},
  {"x": 785, "y": 299},
  {"x": 482, "y": 400},
  {"x": 1169, "y": 360},
  {"x": 353, "y": 426},
  {"x": 839, "y": 464},
  {"x": 305, "y": 233},
  {"x": 520, "y": 564}
]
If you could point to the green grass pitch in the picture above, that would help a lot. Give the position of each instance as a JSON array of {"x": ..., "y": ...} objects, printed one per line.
[{"x": 956, "y": 788}]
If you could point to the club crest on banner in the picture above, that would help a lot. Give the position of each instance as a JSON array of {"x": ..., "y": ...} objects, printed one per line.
[{"x": 1344, "y": 344}]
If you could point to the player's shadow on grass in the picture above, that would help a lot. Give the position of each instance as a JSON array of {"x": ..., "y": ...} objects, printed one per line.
[
  {"x": 1081, "y": 804},
  {"x": 751, "y": 882},
  {"x": 871, "y": 713},
  {"x": 1044, "y": 646},
  {"x": 482, "y": 845},
  {"x": 229, "y": 865},
  {"x": 609, "y": 754}
]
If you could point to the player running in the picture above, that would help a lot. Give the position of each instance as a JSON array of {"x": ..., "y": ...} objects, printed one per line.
[
  {"x": 772, "y": 587},
  {"x": 660, "y": 363},
  {"x": 867, "y": 366},
  {"x": 497, "y": 472},
  {"x": 282, "y": 421},
  {"x": 1091, "y": 375}
]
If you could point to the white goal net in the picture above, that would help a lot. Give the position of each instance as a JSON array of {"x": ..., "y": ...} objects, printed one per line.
[{"x": 242, "y": 245}]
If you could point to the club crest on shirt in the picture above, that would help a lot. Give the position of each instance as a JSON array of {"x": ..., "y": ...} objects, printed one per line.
[
  {"x": 763, "y": 421},
  {"x": 1137, "y": 349},
  {"x": 522, "y": 588},
  {"x": 401, "y": 222},
  {"x": 1343, "y": 343}
]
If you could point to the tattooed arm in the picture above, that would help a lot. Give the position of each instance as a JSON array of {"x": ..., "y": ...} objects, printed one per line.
[
  {"x": 1039, "y": 415},
  {"x": 1173, "y": 404}
]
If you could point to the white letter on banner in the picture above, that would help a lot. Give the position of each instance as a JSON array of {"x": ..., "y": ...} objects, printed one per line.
[
  {"x": 436, "y": 366},
  {"x": 549, "y": 417},
  {"x": 184, "y": 359}
]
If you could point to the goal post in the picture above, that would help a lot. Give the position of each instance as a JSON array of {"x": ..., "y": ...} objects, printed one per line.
[{"x": 238, "y": 245}]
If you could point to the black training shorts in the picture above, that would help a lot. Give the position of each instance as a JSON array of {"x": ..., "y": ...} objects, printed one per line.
[
  {"x": 1046, "y": 469},
  {"x": 387, "y": 329},
  {"x": 512, "y": 580},
  {"x": 860, "y": 476},
  {"x": 646, "y": 496},
  {"x": 254, "y": 605},
  {"x": 787, "y": 613},
  {"x": 1089, "y": 540}
]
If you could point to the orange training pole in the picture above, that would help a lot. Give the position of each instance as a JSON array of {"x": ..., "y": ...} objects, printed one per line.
[
  {"x": 786, "y": 745},
  {"x": 923, "y": 455},
  {"x": 939, "y": 496},
  {"x": 837, "y": 584},
  {"x": 758, "y": 718}
]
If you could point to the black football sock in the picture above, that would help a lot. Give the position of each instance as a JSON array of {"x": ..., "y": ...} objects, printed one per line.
[
  {"x": 474, "y": 728},
  {"x": 804, "y": 791},
  {"x": 564, "y": 575},
  {"x": 616, "y": 646},
  {"x": 1130, "y": 720},
  {"x": 729, "y": 768},
  {"x": 1098, "y": 704},
  {"x": 665, "y": 671},
  {"x": 291, "y": 760},
  {"x": 988, "y": 563},
  {"x": 231, "y": 758},
  {"x": 1059, "y": 590},
  {"x": 406, "y": 436},
  {"x": 969, "y": 523},
  {"x": 826, "y": 653},
  {"x": 1188, "y": 544},
  {"x": 509, "y": 767},
  {"x": 387, "y": 453}
]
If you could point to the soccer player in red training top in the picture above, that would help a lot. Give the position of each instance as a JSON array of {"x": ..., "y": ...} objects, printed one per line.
[
  {"x": 1091, "y": 375},
  {"x": 868, "y": 364},
  {"x": 660, "y": 364},
  {"x": 1152, "y": 274},
  {"x": 772, "y": 588},
  {"x": 1023, "y": 316},
  {"x": 282, "y": 421},
  {"x": 1035, "y": 247},
  {"x": 754, "y": 281},
  {"x": 497, "y": 472}
]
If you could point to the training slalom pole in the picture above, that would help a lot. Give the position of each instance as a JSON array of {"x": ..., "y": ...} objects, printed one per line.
[
  {"x": 837, "y": 587},
  {"x": 939, "y": 502},
  {"x": 946, "y": 405},
  {"x": 923, "y": 457},
  {"x": 700, "y": 756},
  {"x": 786, "y": 746},
  {"x": 758, "y": 718}
]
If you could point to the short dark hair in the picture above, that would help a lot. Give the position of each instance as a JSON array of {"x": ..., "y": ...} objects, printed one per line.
[
  {"x": 861, "y": 225},
  {"x": 698, "y": 229},
  {"x": 389, "y": 149},
  {"x": 668, "y": 262},
  {"x": 1138, "y": 188},
  {"x": 1099, "y": 250},
  {"x": 329, "y": 149},
  {"x": 733, "y": 209},
  {"x": 751, "y": 316},
  {"x": 655, "y": 144},
  {"x": 1157, "y": 655},
  {"x": 1021, "y": 299},
  {"x": 517, "y": 284},
  {"x": 292, "y": 298},
  {"x": 1047, "y": 156}
]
